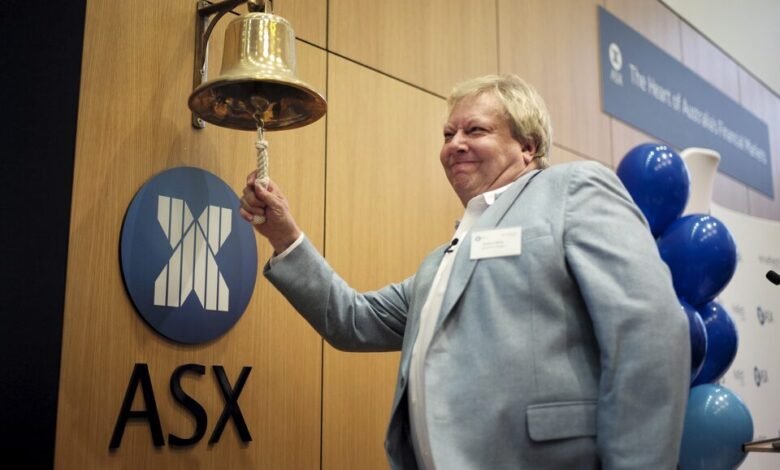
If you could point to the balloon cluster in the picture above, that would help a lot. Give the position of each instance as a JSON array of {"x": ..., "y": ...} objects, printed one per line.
[{"x": 702, "y": 258}]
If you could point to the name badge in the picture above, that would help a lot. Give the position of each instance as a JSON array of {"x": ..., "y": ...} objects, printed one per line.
[{"x": 496, "y": 243}]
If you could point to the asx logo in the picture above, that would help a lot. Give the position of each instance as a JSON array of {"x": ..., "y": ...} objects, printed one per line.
[
  {"x": 760, "y": 376},
  {"x": 764, "y": 316},
  {"x": 195, "y": 244},
  {"x": 189, "y": 261}
]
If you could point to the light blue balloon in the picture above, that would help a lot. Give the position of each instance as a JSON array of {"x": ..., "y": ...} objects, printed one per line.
[
  {"x": 717, "y": 423},
  {"x": 657, "y": 180}
]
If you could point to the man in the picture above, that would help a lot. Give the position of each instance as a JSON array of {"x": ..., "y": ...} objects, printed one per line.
[{"x": 546, "y": 334}]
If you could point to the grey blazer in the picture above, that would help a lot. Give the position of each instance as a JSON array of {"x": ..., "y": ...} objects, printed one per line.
[{"x": 572, "y": 355}]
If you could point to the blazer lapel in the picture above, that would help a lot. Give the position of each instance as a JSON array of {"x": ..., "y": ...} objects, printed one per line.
[{"x": 464, "y": 266}]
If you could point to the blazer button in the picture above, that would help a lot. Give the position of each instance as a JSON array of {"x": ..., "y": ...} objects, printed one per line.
[{"x": 402, "y": 382}]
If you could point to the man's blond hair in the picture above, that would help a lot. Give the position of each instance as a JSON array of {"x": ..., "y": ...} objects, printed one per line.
[{"x": 524, "y": 107}]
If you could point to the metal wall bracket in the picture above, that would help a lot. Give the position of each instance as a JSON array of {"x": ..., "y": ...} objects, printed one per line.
[{"x": 204, "y": 25}]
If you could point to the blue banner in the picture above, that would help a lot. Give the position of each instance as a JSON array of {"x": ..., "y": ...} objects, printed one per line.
[{"x": 647, "y": 88}]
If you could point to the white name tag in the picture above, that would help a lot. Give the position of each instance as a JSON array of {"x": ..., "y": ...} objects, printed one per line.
[{"x": 495, "y": 243}]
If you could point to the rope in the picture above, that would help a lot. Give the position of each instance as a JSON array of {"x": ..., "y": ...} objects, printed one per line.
[{"x": 261, "y": 176}]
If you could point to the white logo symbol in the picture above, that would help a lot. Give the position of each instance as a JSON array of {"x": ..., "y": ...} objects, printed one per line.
[
  {"x": 615, "y": 57},
  {"x": 192, "y": 265}
]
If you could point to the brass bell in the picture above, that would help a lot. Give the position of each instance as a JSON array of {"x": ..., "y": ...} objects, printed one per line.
[{"x": 258, "y": 80}]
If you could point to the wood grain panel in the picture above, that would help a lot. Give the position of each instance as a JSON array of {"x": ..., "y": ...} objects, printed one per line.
[
  {"x": 432, "y": 44},
  {"x": 709, "y": 62},
  {"x": 625, "y": 138},
  {"x": 554, "y": 46},
  {"x": 309, "y": 18},
  {"x": 133, "y": 123},
  {"x": 560, "y": 155},
  {"x": 651, "y": 19},
  {"x": 660, "y": 26},
  {"x": 757, "y": 99},
  {"x": 389, "y": 204}
]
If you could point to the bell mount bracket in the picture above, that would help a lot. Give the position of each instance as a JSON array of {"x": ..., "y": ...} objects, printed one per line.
[{"x": 204, "y": 25}]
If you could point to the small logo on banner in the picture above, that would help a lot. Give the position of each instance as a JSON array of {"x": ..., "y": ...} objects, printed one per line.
[
  {"x": 188, "y": 260},
  {"x": 760, "y": 376},
  {"x": 616, "y": 61},
  {"x": 764, "y": 315},
  {"x": 738, "y": 312},
  {"x": 615, "y": 57}
]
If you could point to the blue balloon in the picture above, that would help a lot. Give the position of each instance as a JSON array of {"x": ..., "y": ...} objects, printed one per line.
[
  {"x": 701, "y": 255},
  {"x": 722, "y": 343},
  {"x": 717, "y": 423},
  {"x": 657, "y": 179},
  {"x": 698, "y": 335}
]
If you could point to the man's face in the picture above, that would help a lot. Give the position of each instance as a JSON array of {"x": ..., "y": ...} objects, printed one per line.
[{"x": 479, "y": 153}]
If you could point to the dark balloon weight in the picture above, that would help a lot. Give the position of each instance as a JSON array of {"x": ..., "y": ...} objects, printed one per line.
[
  {"x": 658, "y": 181},
  {"x": 717, "y": 423},
  {"x": 698, "y": 334},
  {"x": 722, "y": 343},
  {"x": 701, "y": 255}
]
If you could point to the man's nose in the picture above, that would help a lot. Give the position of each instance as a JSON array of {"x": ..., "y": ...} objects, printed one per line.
[{"x": 458, "y": 141}]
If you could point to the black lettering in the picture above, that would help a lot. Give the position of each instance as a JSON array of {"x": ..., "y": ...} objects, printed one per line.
[
  {"x": 195, "y": 409},
  {"x": 140, "y": 377},
  {"x": 231, "y": 405}
]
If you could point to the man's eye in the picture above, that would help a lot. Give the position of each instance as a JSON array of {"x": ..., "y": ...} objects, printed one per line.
[{"x": 447, "y": 136}]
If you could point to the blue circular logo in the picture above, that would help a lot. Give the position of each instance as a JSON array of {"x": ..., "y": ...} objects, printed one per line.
[{"x": 189, "y": 261}]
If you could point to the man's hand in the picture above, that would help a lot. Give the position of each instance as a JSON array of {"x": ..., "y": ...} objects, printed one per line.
[{"x": 279, "y": 227}]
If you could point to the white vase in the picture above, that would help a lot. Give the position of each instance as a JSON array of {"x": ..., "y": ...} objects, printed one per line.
[{"x": 702, "y": 167}]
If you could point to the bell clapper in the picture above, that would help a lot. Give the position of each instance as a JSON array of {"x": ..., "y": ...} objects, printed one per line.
[{"x": 261, "y": 176}]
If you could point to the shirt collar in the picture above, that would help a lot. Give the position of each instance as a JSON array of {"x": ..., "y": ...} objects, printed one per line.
[
  {"x": 489, "y": 197},
  {"x": 482, "y": 201},
  {"x": 479, "y": 204}
]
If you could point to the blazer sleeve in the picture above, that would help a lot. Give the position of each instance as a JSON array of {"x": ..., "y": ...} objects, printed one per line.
[
  {"x": 347, "y": 319},
  {"x": 641, "y": 331}
]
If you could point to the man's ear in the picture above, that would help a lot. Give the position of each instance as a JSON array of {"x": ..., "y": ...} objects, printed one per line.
[{"x": 529, "y": 150}]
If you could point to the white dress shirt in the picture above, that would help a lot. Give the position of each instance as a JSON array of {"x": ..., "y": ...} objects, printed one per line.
[{"x": 428, "y": 316}]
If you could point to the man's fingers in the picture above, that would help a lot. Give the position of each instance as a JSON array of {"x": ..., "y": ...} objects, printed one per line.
[
  {"x": 269, "y": 196},
  {"x": 250, "y": 179},
  {"x": 252, "y": 208},
  {"x": 251, "y": 198},
  {"x": 245, "y": 215}
]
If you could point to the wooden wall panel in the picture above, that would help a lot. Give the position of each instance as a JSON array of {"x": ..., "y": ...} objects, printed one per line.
[
  {"x": 389, "y": 204},
  {"x": 651, "y": 19},
  {"x": 560, "y": 155},
  {"x": 554, "y": 46},
  {"x": 309, "y": 18},
  {"x": 624, "y": 138},
  {"x": 432, "y": 44},
  {"x": 660, "y": 26},
  {"x": 709, "y": 62},
  {"x": 133, "y": 123},
  {"x": 766, "y": 106}
]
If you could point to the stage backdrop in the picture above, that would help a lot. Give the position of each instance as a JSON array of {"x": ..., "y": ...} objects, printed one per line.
[{"x": 754, "y": 305}]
